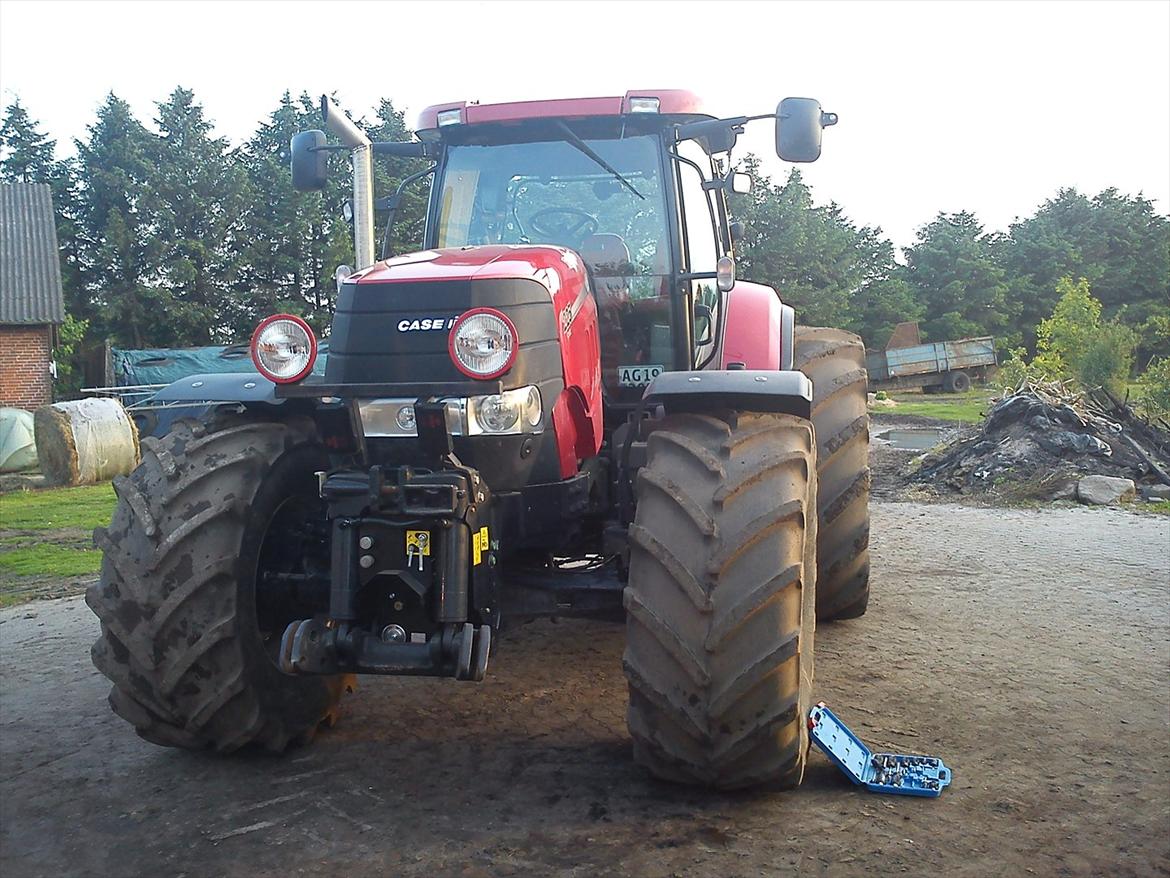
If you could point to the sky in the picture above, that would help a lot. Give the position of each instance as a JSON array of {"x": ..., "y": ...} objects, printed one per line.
[{"x": 985, "y": 106}]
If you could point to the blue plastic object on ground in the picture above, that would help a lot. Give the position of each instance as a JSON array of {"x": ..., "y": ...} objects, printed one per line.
[{"x": 879, "y": 772}]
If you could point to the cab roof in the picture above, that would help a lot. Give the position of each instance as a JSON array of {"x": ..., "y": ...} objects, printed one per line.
[{"x": 671, "y": 102}]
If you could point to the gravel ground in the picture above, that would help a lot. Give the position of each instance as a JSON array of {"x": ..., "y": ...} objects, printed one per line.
[{"x": 1029, "y": 649}]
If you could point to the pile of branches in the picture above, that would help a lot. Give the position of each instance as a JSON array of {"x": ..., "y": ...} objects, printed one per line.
[{"x": 1040, "y": 438}]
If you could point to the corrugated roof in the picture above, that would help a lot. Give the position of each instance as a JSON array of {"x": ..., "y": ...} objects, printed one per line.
[{"x": 30, "y": 270}]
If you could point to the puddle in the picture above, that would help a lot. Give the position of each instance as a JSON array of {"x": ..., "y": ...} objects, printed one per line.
[{"x": 912, "y": 440}]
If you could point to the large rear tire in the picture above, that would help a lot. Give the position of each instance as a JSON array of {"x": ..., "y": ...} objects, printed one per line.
[
  {"x": 835, "y": 361},
  {"x": 719, "y": 605},
  {"x": 181, "y": 640}
]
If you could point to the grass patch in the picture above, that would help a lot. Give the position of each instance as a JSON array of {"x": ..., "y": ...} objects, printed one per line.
[
  {"x": 44, "y": 541},
  {"x": 1159, "y": 507},
  {"x": 53, "y": 508},
  {"x": 967, "y": 408},
  {"x": 50, "y": 560}
]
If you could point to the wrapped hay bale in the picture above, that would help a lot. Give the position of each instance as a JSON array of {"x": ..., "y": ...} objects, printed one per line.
[
  {"x": 18, "y": 451},
  {"x": 85, "y": 441}
]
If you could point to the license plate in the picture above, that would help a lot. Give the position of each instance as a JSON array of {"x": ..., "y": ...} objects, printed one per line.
[{"x": 637, "y": 376}]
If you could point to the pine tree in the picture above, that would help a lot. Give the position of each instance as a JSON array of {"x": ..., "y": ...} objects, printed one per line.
[
  {"x": 116, "y": 250},
  {"x": 194, "y": 198},
  {"x": 956, "y": 273},
  {"x": 280, "y": 224},
  {"x": 27, "y": 153}
]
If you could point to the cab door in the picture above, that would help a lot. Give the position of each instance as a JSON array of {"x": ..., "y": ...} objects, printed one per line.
[{"x": 700, "y": 246}]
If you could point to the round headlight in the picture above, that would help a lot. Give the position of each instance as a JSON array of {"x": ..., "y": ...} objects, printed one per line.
[
  {"x": 284, "y": 348},
  {"x": 405, "y": 419},
  {"x": 483, "y": 343},
  {"x": 497, "y": 414}
]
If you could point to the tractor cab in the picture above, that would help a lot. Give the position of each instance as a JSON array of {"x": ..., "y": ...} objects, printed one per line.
[{"x": 598, "y": 187}]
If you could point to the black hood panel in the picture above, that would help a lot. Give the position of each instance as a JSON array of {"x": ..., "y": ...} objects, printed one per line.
[{"x": 397, "y": 332}]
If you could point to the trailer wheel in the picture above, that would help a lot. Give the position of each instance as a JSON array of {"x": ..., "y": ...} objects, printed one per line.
[
  {"x": 186, "y": 639},
  {"x": 835, "y": 361},
  {"x": 958, "y": 382},
  {"x": 720, "y": 600}
]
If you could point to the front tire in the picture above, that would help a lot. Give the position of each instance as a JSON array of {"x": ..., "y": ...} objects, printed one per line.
[
  {"x": 181, "y": 640},
  {"x": 719, "y": 605}
]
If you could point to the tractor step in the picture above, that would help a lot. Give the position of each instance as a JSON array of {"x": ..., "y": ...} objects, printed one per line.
[{"x": 878, "y": 772}]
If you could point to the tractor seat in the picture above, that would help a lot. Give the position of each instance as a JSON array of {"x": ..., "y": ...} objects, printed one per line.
[
  {"x": 608, "y": 260},
  {"x": 607, "y": 255}
]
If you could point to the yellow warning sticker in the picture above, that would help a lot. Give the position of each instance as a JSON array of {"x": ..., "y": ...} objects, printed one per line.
[
  {"x": 479, "y": 545},
  {"x": 418, "y": 542}
]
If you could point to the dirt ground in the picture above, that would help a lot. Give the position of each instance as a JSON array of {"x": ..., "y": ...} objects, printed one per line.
[{"x": 1029, "y": 649}]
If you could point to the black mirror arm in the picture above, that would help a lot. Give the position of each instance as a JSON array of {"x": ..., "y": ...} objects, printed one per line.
[
  {"x": 391, "y": 204},
  {"x": 710, "y": 127},
  {"x": 406, "y": 149}
]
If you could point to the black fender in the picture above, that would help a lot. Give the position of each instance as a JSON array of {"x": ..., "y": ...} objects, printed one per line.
[
  {"x": 336, "y": 419},
  {"x": 221, "y": 387},
  {"x": 753, "y": 390}
]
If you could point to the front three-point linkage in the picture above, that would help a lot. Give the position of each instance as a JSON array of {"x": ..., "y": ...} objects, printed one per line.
[{"x": 323, "y": 646}]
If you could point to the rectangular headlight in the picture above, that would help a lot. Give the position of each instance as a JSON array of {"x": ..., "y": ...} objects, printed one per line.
[
  {"x": 507, "y": 414},
  {"x": 395, "y": 417}
]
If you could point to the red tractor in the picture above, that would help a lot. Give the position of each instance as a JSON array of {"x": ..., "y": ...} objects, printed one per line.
[{"x": 566, "y": 405}]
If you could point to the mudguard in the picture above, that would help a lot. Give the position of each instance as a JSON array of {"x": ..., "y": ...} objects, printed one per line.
[
  {"x": 757, "y": 329},
  {"x": 220, "y": 387},
  {"x": 757, "y": 390}
]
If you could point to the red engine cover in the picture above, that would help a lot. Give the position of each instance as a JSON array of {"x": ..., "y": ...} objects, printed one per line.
[{"x": 577, "y": 414}]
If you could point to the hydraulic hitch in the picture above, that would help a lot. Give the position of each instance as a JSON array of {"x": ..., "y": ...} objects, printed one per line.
[{"x": 324, "y": 646}]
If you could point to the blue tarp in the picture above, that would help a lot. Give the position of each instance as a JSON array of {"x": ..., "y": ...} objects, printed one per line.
[{"x": 165, "y": 365}]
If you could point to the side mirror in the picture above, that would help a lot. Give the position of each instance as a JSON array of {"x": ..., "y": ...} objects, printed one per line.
[
  {"x": 310, "y": 172},
  {"x": 799, "y": 122},
  {"x": 740, "y": 184},
  {"x": 704, "y": 324}
]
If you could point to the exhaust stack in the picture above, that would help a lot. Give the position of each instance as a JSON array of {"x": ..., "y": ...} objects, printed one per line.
[{"x": 362, "y": 155}]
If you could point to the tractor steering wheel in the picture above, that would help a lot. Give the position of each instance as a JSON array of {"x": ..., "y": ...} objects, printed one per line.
[{"x": 584, "y": 226}]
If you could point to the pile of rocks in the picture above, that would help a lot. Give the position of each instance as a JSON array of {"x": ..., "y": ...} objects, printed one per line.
[{"x": 1048, "y": 442}]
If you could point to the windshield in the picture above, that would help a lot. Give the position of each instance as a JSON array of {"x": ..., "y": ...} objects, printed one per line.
[{"x": 554, "y": 193}]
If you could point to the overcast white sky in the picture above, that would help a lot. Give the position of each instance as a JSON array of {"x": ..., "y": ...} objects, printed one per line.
[{"x": 988, "y": 106}]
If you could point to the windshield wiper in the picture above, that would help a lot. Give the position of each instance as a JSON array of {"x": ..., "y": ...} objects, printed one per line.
[{"x": 588, "y": 150}]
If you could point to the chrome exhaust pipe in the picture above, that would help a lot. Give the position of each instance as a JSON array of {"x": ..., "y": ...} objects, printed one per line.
[{"x": 362, "y": 155}]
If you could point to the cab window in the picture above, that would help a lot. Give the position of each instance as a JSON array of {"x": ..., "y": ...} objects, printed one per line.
[{"x": 699, "y": 239}]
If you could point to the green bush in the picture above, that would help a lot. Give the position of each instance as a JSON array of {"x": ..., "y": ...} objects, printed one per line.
[
  {"x": 1107, "y": 358},
  {"x": 1015, "y": 369},
  {"x": 1074, "y": 343},
  {"x": 1154, "y": 395}
]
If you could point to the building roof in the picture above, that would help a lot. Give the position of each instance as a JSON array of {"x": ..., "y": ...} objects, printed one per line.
[{"x": 30, "y": 268}]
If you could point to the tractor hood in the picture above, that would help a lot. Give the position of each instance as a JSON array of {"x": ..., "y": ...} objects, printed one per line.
[
  {"x": 393, "y": 319},
  {"x": 554, "y": 267}
]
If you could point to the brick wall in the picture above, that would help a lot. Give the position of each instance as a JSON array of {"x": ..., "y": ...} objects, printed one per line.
[{"x": 25, "y": 353}]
